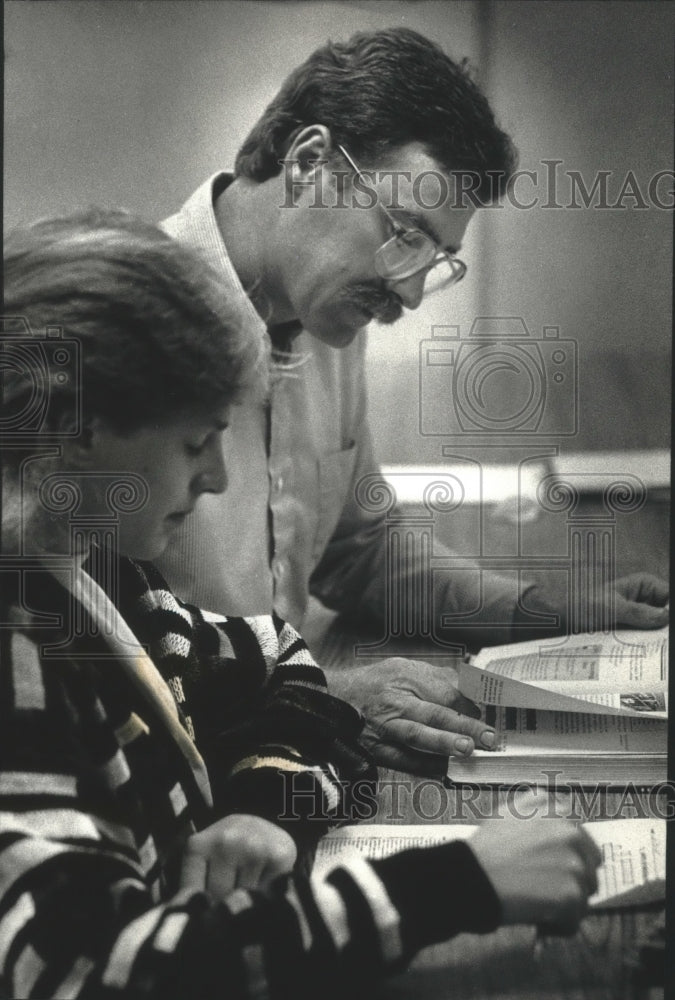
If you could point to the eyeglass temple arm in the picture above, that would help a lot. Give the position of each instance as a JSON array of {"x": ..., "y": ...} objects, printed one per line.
[{"x": 398, "y": 228}]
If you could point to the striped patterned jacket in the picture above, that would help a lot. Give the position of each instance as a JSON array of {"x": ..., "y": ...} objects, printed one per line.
[{"x": 97, "y": 800}]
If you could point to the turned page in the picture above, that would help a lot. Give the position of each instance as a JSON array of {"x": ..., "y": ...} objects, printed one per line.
[{"x": 621, "y": 674}]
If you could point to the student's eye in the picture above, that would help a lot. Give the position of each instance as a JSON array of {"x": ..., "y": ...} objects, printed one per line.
[{"x": 194, "y": 450}]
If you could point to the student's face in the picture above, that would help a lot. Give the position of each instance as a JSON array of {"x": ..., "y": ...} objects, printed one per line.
[
  {"x": 328, "y": 271},
  {"x": 177, "y": 462}
]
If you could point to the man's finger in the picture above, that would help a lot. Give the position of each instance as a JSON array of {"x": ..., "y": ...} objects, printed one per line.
[
  {"x": 424, "y": 765},
  {"x": 464, "y": 706},
  {"x": 443, "y": 721},
  {"x": 632, "y": 615},
  {"x": 428, "y": 739},
  {"x": 644, "y": 587},
  {"x": 658, "y": 591}
]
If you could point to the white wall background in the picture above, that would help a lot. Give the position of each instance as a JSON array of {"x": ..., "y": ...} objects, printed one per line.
[{"x": 134, "y": 104}]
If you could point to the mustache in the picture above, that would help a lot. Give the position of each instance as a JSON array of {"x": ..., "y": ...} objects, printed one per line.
[{"x": 385, "y": 307}]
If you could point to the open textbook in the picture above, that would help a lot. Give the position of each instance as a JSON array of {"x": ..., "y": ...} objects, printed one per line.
[
  {"x": 591, "y": 707},
  {"x": 632, "y": 872}
]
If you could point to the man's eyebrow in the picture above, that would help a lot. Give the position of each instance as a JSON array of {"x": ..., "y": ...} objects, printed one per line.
[{"x": 421, "y": 223}]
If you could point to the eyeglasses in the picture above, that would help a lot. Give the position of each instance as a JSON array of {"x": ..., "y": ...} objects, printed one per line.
[{"x": 410, "y": 251}]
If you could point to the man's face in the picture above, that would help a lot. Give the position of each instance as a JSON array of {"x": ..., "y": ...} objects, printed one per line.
[{"x": 328, "y": 269}]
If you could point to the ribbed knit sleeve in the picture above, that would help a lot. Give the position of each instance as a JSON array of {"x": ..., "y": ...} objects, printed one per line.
[
  {"x": 457, "y": 896},
  {"x": 92, "y": 810},
  {"x": 276, "y": 743}
]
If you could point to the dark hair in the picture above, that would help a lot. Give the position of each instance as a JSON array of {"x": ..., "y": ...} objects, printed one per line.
[
  {"x": 378, "y": 91},
  {"x": 157, "y": 336}
]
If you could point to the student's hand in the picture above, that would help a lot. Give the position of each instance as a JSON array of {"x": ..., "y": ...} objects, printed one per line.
[
  {"x": 238, "y": 852},
  {"x": 415, "y": 716},
  {"x": 543, "y": 870}
]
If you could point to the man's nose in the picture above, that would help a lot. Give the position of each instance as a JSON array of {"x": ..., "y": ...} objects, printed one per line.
[{"x": 410, "y": 290}]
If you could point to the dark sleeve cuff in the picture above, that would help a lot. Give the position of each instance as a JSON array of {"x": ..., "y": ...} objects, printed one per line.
[
  {"x": 439, "y": 892},
  {"x": 303, "y": 804}
]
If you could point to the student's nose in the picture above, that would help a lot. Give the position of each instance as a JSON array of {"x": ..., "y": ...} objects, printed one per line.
[
  {"x": 410, "y": 290},
  {"x": 213, "y": 476}
]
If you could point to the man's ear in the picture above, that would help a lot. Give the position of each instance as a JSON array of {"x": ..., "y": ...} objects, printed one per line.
[{"x": 311, "y": 147}]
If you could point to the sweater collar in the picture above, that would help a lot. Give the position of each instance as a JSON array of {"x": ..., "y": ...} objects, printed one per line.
[{"x": 135, "y": 663}]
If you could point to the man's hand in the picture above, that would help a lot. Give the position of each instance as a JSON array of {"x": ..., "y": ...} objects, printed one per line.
[
  {"x": 238, "y": 852},
  {"x": 641, "y": 601},
  {"x": 635, "y": 601},
  {"x": 415, "y": 716},
  {"x": 543, "y": 870}
]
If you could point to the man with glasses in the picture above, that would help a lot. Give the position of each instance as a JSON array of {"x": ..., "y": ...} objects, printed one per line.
[
  {"x": 413, "y": 250},
  {"x": 311, "y": 229}
]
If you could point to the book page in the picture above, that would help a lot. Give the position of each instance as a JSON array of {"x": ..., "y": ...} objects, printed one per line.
[
  {"x": 379, "y": 840},
  {"x": 625, "y": 674},
  {"x": 486, "y": 687},
  {"x": 632, "y": 871},
  {"x": 628, "y": 657},
  {"x": 534, "y": 732}
]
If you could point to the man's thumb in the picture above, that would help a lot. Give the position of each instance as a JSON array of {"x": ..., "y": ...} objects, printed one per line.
[{"x": 633, "y": 615}]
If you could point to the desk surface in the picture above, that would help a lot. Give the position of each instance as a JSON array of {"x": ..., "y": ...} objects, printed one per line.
[{"x": 596, "y": 963}]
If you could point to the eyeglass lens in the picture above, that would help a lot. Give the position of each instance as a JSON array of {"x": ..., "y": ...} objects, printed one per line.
[
  {"x": 410, "y": 252},
  {"x": 405, "y": 254}
]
